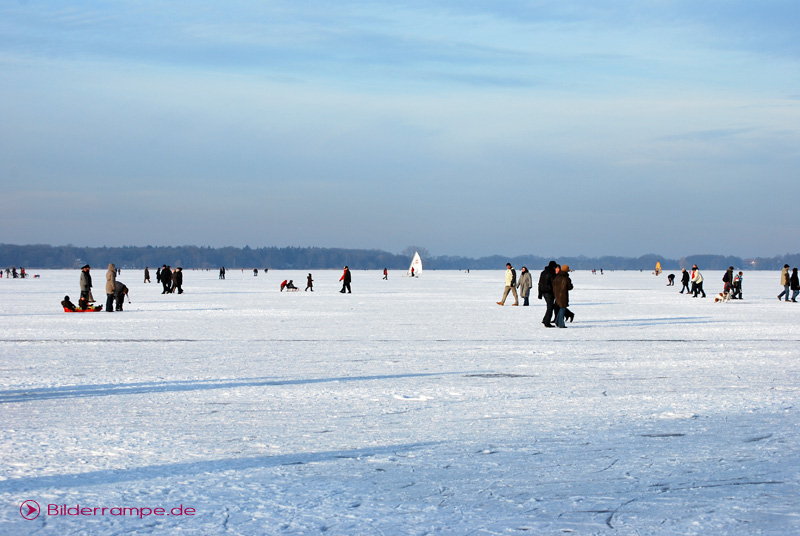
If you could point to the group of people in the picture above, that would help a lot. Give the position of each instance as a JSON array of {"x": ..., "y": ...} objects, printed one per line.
[
  {"x": 554, "y": 286},
  {"x": 732, "y": 283},
  {"x": 11, "y": 273},
  {"x": 289, "y": 285},
  {"x": 115, "y": 292},
  {"x": 789, "y": 282},
  {"x": 171, "y": 279}
]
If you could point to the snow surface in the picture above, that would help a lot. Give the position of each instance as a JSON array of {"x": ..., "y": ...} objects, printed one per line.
[{"x": 412, "y": 406}]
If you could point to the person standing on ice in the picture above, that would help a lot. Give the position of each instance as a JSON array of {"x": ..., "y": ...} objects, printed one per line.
[
  {"x": 146, "y": 274},
  {"x": 385, "y": 273},
  {"x": 697, "y": 282},
  {"x": 728, "y": 280},
  {"x": 177, "y": 279},
  {"x": 524, "y": 285},
  {"x": 737, "y": 286},
  {"x": 511, "y": 285},
  {"x": 111, "y": 286},
  {"x": 309, "y": 283},
  {"x": 785, "y": 282},
  {"x": 86, "y": 288},
  {"x": 166, "y": 279},
  {"x": 546, "y": 292},
  {"x": 562, "y": 284},
  {"x": 685, "y": 281},
  {"x": 346, "y": 280},
  {"x": 794, "y": 284}
]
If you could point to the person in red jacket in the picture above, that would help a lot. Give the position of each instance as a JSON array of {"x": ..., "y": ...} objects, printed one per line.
[{"x": 346, "y": 280}]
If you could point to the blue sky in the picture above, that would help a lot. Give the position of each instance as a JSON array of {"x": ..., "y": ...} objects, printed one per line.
[{"x": 466, "y": 127}]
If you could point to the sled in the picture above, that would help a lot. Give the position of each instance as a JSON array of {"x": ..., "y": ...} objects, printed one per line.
[{"x": 90, "y": 310}]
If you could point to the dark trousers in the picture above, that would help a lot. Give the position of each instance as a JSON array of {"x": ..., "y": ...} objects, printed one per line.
[
  {"x": 698, "y": 289},
  {"x": 109, "y": 303},
  {"x": 737, "y": 292},
  {"x": 550, "y": 300},
  {"x": 346, "y": 287},
  {"x": 686, "y": 288}
]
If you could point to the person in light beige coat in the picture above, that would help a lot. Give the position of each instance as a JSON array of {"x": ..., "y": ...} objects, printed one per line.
[
  {"x": 511, "y": 285},
  {"x": 524, "y": 285},
  {"x": 784, "y": 283},
  {"x": 111, "y": 284}
]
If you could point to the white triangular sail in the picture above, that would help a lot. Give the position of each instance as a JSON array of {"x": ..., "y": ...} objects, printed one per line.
[{"x": 416, "y": 266}]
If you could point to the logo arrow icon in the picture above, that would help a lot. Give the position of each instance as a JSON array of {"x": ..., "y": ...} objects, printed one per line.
[{"x": 30, "y": 510}]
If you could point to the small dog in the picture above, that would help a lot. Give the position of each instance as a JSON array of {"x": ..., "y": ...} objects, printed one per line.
[{"x": 723, "y": 297}]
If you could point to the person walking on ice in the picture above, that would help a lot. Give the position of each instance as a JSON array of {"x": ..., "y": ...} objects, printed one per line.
[
  {"x": 785, "y": 283},
  {"x": 511, "y": 285},
  {"x": 524, "y": 285},
  {"x": 697, "y": 282},
  {"x": 562, "y": 284},
  {"x": 685, "y": 281},
  {"x": 546, "y": 292},
  {"x": 309, "y": 284},
  {"x": 345, "y": 281}
]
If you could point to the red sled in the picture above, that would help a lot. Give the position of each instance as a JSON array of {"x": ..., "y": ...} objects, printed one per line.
[{"x": 90, "y": 310}]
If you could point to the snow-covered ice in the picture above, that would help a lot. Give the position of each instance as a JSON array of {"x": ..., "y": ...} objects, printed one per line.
[{"x": 412, "y": 406}]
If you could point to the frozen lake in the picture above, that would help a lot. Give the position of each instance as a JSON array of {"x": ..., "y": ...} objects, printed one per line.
[{"x": 412, "y": 406}]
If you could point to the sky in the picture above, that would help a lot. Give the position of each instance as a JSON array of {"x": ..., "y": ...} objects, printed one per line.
[{"x": 465, "y": 127}]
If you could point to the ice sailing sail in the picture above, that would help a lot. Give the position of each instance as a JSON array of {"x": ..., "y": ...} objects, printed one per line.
[{"x": 416, "y": 266}]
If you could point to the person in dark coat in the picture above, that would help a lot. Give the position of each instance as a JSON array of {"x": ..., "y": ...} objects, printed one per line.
[
  {"x": 166, "y": 279},
  {"x": 546, "y": 292},
  {"x": 346, "y": 280},
  {"x": 310, "y": 283},
  {"x": 671, "y": 280},
  {"x": 737, "y": 286},
  {"x": 146, "y": 274},
  {"x": 120, "y": 291},
  {"x": 727, "y": 279},
  {"x": 86, "y": 288},
  {"x": 177, "y": 280},
  {"x": 685, "y": 281},
  {"x": 66, "y": 303},
  {"x": 794, "y": 284},
  {"x": 562, "y": 284}
]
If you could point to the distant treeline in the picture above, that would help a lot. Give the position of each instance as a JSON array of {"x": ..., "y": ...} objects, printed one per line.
[{"x": 54, "y": 257}]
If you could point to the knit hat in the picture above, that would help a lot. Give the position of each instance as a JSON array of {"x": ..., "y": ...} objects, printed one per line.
[{"x": 565, "y": 268}]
